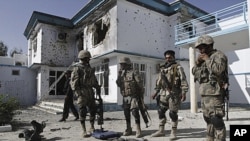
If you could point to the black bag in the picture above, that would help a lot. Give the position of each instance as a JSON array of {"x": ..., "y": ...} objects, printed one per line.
[{"x": 104, "y": 135}]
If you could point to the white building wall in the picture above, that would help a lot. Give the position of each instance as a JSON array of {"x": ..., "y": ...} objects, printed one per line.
[
  {"x": 55, "y": 51},
  {"x": 21, "y": 58},
  {"x": 36, "y": 49},
  {"x": 141, "y": 30},
  {"x": 21, "y": 86},
  {"x": 5, "y": 60},
  {"x": 239, "y": 74}
]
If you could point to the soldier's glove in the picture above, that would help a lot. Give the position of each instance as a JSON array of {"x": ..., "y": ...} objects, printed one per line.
[{"x": 154, "y": 95}]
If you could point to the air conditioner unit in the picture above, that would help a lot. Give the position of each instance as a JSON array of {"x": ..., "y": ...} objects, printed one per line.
[{"x": 62, "y": 36}]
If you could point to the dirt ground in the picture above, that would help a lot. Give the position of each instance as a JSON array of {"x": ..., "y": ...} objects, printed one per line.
[{"x": 191, "y": 125}]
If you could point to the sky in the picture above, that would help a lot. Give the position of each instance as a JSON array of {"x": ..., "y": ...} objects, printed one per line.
[{"x": 15, "y": 15}]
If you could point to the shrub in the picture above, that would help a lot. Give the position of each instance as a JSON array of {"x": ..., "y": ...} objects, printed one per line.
[{"x": 8, "y": 106}]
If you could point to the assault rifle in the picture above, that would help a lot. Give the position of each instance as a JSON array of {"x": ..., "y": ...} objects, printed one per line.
[
  {"x": 166, "y": 86},
  {"x": 144, "y": 111},
  {"x": 226, "y": 100},
  {"x": 99, "y": 108}
]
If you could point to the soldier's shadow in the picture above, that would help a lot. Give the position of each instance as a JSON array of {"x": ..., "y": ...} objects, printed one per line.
[
  {"x": 184, "y": 133},
  {"x": 52, "y": 139}
]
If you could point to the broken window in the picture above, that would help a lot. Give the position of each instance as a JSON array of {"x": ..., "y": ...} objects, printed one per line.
[
  {"x": 99, "y": 32},
  {"x": 79, "y": 41}
]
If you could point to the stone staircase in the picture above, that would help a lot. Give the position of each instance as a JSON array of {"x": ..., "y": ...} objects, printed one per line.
[
  {"x": 53, "y": 106},
  {"x": 56, "y": 106}
]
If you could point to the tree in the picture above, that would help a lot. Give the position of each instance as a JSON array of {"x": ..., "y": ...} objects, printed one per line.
[{"x": 3, "y": 49}]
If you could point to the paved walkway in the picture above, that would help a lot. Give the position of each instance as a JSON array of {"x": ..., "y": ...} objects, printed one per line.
[{"x": 191, "y": 126}]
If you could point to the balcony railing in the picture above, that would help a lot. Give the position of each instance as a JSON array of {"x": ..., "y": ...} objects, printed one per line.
[{"x": 230, "y": 17}]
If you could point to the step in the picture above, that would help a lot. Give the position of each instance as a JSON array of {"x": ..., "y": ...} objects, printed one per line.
[
  {"x": 5, "y": 128},
  {"x": 48, "y": 110}
]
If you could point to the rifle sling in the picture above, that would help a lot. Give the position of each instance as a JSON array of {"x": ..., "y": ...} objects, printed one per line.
[{"x": 173, "y": 78}]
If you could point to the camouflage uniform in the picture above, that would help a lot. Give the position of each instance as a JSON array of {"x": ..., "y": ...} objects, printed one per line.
[
  {"x": 212, "y": 74},
  {"x": 171, "y": 84},
  {"x": 83, "y": 80},
  {"x": 131, "y": 89}
]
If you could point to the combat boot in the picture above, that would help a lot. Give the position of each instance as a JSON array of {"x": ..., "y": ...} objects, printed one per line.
[
  {"x": 160, "y": 132},
  {"x": 84, "y": 133},
  {"x": 138, "y": 131},
  {"x": 173, "y": 131},
  {"x": 128, "y": 131}
]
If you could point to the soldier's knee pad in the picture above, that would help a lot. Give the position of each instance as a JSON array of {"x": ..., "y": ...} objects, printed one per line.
[
  {"x": 173, "y": 115},
  {"x": 217, "y": 122},
  {"x": 161, "y": 113}
]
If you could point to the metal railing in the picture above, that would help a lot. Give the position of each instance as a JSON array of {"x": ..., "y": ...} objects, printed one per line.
[{"x": 227, "y": 18}]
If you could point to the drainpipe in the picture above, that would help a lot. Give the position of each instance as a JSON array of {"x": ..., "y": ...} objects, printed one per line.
[{"x": 193, "y": 97}]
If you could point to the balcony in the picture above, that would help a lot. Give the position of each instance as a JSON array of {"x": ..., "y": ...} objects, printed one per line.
[{"x": 228, "y": 27}]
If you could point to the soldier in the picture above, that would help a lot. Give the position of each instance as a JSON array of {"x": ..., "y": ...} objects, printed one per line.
[
  {"x": 83, "y": 80},
  {"x": 172, "y": 87},
  {"x": 210, "y": 71},
  {"x": 130, "y": 83},
  {"x": 68, "y": 101}
]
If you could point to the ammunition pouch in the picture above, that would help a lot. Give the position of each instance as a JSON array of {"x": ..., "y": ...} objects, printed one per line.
[
  {"x": 202, "y": 75},
  {"x": 130, "y": 87}
]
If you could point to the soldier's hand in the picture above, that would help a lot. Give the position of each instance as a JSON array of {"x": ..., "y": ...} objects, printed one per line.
[
  {"x": 153, "y": 95},
  {"x": 199, "y": 60},
  {"x": 183, "y": 97}
]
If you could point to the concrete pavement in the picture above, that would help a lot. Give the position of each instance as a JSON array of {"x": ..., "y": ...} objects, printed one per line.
[{"x": 191, "y": 125}]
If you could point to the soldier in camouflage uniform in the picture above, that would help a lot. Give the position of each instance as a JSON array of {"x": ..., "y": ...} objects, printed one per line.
[
  {"x": 131, "y": 89},
  {"x": 172, "y": 88},
  {"x": 211, "y": 73},
  {"x": 83, "y": 80}
]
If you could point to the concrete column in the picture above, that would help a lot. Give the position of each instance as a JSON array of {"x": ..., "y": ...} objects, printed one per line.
[
  {"x": 248, "y": 16},
  {"x": 193, "y": 96}
]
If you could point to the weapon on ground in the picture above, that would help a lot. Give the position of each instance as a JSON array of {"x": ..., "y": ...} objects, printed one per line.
[
  {"x": 144, "y": 112},
  {"x": 33, "y": 135}
]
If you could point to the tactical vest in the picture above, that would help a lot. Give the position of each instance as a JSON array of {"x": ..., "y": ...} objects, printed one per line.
[
  {"x": 169, "y": 77},
  {"x": 130, "y": 85},
  {"x": 86, "y": 76}
]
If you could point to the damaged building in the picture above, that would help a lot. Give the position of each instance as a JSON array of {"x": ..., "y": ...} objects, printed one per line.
[{"x": 109, "y": 29}]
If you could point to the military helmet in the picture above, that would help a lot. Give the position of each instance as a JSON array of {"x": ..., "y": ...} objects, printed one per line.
[
  {"x": 125, "y": 60},
  {"x": 204, "y": 39},
  {"x": 84, "y": 54}
]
